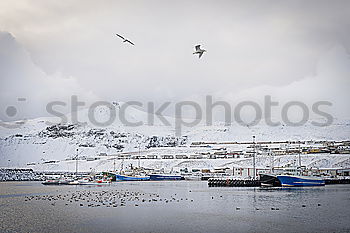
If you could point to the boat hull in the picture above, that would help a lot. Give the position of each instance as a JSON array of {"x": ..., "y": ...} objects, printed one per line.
[
  {"x": 56, "y": 182},
  {"x": 193, "y": 178},
  {"x": 297, "y": 181},
  {"x": 131, "y": 178},
  {"x": 49, "y": 182},
  {"x": 165, "y": 177},
  {"x": 94, "y": 183}
]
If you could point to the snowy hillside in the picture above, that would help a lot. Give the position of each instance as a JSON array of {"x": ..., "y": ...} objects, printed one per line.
[
  {"x": 108, "y": 163},
  {"x": 37, "y": 141}
]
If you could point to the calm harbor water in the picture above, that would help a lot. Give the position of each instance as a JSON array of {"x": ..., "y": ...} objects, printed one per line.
[{"x": 176, "y": 206}]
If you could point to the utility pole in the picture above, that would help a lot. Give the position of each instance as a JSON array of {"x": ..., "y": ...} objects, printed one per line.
[
  {"x": 254, "y": 171},
  {"x": 114, "y": 164}
]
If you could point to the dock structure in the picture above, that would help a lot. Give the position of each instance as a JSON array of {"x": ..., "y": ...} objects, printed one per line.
[
  {"x": 337, "y": 181},
  {"x": 230, "y": 182},
  {"x": 222, "y": 182}
]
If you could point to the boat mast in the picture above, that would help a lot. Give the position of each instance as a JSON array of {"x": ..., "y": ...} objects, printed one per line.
[
  {"x": 299, "y": 158},
  {"x": 122, "y": 166},
  {"x": 254, "y": 172},
  {"x": 272, "y": 161},
  {"x": 139, "y": 154},
  {"x": 121, "y": 169},
  {"x": 76, "y": 164}
]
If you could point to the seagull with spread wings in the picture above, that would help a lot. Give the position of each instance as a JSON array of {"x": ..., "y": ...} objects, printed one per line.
[
  {"x": 199, "y": 51},
  {"x": 125, "y": 40}
]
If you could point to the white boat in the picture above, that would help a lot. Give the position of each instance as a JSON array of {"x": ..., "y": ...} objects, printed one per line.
[
  {"x": 91, "y": 181},
  {"x": 51, "y": 182},
  {"x": 60, "y": 181},
  {"x": 193, "y": 177},
  {"x": 74, "y": 182}
]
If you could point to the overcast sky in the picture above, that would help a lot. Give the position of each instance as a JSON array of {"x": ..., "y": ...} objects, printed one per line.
[{"x": 292, "y": 50}]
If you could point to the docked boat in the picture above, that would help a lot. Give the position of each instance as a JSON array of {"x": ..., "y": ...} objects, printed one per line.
[
  {"x": 74, "y": 182},
  {"x": 131, "y": 178},
  {"x": 51, "y": 182},
  {"x": 193, "y": 177},
  {"x": 95, "y": 180},
  {"x": 293, "y": 177},
  {"x": 64, "y": 181},
  {"x": 295, "y": 180},
  {"x": 61, "y": 181},
  {"x": 165, "y": 177},
  {"x": 85, "y": 181}
]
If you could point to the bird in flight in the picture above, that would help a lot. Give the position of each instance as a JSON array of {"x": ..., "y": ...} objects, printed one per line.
[
  {"x": 199, "y": 51},
  {"x": 125, "y": 40}
]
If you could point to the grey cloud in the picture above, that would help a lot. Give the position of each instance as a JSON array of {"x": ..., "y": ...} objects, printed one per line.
[{"x": 250, "y": 44}]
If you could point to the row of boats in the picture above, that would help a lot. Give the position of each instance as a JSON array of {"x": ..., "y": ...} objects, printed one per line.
[
  {"x": 91, "y": 180},
  {"x": 107, "y": 179},
  {"x": 155, "y": 177},
  {"x": 265, "y": 179}
]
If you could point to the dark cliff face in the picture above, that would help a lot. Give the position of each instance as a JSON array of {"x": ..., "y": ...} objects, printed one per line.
[
  {"x": 168, "y": 141},
  {"x": 114, "y": 139},
  {"x": 87, "y": 137}
]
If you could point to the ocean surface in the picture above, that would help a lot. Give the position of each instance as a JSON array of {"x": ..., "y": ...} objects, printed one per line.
[{"x": 172, "y": 206}]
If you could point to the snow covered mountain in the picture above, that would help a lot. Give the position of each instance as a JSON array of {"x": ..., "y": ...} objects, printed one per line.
[{"x": 45, "y": 139}]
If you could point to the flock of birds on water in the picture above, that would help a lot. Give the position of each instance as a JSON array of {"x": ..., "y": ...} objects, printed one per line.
[
  {"x": 197, "y": 48},
  {"x": 117, "y": 198},
  {"x": 106, "y": 198}
]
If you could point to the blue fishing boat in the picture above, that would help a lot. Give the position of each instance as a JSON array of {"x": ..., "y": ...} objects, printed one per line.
[
  {"x": 165, "y": 177},
  {"x": 294, "y": 180},
  {"x": 131, "y": 178},
  {"x": 298, "y": 179}
]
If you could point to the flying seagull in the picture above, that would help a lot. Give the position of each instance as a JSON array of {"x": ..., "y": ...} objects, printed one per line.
[
  {"x": 199, "y": 51},
  {"x": 124, "y": 39}
]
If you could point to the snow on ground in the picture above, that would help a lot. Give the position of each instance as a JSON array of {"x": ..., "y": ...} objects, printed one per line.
[
  {"x": 37, "y": 141},
  {"x": 107, "y": 163}
]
